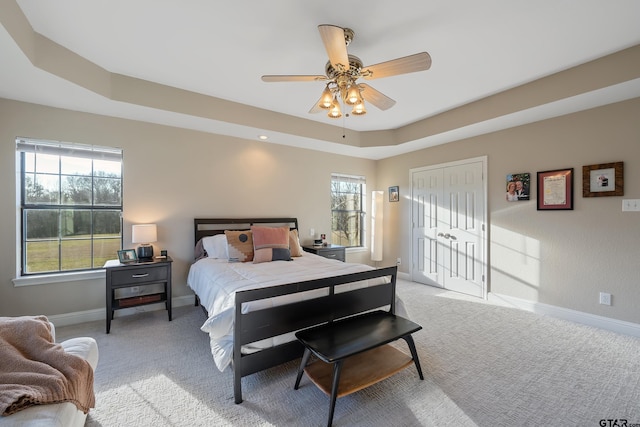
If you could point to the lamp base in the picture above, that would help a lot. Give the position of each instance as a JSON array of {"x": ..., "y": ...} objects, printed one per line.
[{"x": 145, "y": 252}]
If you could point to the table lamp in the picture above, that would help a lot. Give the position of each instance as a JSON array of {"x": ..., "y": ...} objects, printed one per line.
[{"x": 144, "y": 234}]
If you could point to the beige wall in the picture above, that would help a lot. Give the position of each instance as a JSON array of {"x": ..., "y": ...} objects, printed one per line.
[
  {"x": 170, "y": 177},
  {"x": 561, "y": 258}
]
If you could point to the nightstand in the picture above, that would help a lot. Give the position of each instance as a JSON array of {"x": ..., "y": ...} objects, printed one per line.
[
  {"x": 132, "y": 275},
  {"x": 329, "y": 251}
]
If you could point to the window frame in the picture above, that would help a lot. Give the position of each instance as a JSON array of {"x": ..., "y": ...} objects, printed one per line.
[
  {"x": 361, "y": 212},
  {"x": 24, "y": 206}
]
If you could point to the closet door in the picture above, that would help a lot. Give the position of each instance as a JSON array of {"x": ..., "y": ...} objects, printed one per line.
[
  {"x": 448, "y": 227},
  {"x": 427, "y": 187}
]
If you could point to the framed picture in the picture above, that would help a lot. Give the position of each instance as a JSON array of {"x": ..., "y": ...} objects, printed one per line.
[
  {"x": 518, "y": 185},
  {"x": 555, "y": 190},
  {"x": 128, "y": 255},
  {"x": 606, "y": 179},
  {"x": 394, "y": 193}
]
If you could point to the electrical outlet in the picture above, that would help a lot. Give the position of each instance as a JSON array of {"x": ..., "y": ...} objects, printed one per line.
[
  {"x": 398, "y": 261},
  {"x": 135, "y": 289},
  {"x": 605, "y": 298}
]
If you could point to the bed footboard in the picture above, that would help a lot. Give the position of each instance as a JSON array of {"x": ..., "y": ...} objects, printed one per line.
[{"x": 274, "y": 321}]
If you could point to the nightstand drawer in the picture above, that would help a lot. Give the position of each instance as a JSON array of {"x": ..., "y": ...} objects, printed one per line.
[
  {"x": 330, "y": 251},
  {"x": 135, "y": 275},
  {"x": 333, "y": 254}
]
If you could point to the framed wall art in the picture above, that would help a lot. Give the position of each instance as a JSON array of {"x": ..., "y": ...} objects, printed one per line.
[
  {"x": 518, "y": 186},
  {"x": 555, "y": 190},
  {"x": 606, "y": 179},
  {"x": 394, "y": 193}
]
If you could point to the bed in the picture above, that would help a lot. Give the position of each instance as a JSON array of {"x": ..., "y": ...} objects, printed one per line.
[{"x": 254, "y": 308}]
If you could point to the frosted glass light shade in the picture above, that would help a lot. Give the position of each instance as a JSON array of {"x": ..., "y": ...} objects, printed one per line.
[
  {"x": 326, "y": 99},
  {"x": 377, "y": 198}
]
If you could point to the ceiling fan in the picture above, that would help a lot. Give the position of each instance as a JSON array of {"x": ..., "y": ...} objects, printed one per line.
[{"x": 343, "y": 70}]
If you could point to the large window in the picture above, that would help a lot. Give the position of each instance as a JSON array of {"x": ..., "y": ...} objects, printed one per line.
[
  {"x": 347, "y": 210},
  {"x": 70, "y": 205}
]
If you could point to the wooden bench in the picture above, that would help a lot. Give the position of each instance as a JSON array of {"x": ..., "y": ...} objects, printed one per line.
[
  {"x": 358, "y": 346},
  {"x": 339, "y": 302}
]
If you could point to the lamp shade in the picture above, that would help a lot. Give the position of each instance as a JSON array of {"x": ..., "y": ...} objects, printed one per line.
[
  {"x": 144, "y": 233},
  {"x": 376, "y": 225}
]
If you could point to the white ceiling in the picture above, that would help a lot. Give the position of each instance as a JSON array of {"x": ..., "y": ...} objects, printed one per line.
[{"x": 221, "y": 49}]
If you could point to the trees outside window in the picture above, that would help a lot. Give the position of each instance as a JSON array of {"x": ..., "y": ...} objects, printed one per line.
[
  {"x": 347, "y": 213},
  {"x": 71, "y": 205}
]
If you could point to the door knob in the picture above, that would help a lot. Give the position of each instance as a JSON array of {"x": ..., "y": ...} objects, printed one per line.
[
  {"x": 446, "y": 236},
  {"x": 453, "y": 237}
]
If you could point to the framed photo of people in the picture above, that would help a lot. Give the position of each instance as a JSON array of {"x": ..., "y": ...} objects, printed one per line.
[
  {"x": 127, "y": 256},
  {"x": 394, "y": 193},
  {"x": 518, "y": 185}
]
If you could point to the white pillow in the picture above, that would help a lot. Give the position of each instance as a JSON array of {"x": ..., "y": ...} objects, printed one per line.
[{"x": 216, "y": 246}]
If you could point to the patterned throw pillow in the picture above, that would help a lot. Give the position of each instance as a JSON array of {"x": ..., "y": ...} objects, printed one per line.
[
  {"x": 239, "y": 245},
  {"x": 270, "y": 244}
]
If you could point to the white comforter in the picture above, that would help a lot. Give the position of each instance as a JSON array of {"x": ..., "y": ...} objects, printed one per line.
[{"x": 215, "y": 281}]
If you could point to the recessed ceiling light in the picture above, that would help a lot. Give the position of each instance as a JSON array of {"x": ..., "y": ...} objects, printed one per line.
[{"x": 263, "y": 137}]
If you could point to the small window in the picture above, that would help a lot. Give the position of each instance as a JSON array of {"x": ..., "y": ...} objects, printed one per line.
[
  {"x": 70, "y": 205},
  {"x": 347, "y": 213}
]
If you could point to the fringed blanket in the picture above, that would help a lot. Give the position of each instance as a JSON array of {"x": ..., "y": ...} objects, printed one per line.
[{"x": 36, "y": 371}]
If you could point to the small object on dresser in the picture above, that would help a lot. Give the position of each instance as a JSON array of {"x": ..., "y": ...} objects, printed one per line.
[{"x": 127, "y": 256}]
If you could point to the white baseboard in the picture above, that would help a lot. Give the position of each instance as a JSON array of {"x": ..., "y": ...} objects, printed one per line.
[
  {"x": 404, "y": 276},
  {"x": 614, "y": 325},
  {"x": 101, "y": 314}
]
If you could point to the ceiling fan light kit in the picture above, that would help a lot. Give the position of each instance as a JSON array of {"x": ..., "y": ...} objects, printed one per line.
[{"x": 343, "y": 70}]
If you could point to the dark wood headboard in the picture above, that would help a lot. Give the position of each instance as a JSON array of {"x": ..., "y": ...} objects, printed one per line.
[{"x": 211, "y": 226}]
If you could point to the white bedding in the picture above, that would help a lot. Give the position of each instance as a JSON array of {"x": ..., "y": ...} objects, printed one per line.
[{"x": 215, "y": 281}]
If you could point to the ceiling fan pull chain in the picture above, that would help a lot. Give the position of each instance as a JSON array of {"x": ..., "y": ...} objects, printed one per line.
[{"x": 343, "y": 131}]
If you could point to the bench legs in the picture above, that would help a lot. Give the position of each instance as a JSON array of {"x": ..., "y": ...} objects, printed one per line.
[
  {"x": 337, "y": 368},
  {"x": 305, "y": 360},
  {"x": 414, "y": 354}
]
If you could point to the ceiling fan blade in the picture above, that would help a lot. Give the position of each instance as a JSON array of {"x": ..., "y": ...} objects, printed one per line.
[
  {"x": 408, "y": 64},
  {"x": 376, "y": 98},
  {"x": 334, "y": 42},
  {"x": 285, "y": 78}
]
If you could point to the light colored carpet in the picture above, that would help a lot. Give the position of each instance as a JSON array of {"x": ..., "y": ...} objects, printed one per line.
[{"x": 484, "y": 365}]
